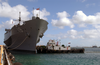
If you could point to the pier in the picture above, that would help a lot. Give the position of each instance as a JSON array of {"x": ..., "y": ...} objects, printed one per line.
[{"x": 6, "y": 58}]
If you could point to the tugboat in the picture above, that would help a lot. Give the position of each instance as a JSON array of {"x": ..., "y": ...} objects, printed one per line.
[
  {"x": 25, "y": 36},
  {"x": 52, "y": 45}
]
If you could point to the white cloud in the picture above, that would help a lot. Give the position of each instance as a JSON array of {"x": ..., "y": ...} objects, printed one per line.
[
  {"x": 64, "y": 36},
  {"x": 81, "y": 37},
  {"x": 82, "y": 25},
  {"x": 59, "y": 37},
  {"x": 80, "y": 18},
  {"x": 73, "y": 34},
  {"x": 42, "y": 14},
  {"x": 91, "y": 33},
  {"x": 13, "y": 12},
  {"x": 97, "y": 27},
  {"x": 63, "y": 20}
]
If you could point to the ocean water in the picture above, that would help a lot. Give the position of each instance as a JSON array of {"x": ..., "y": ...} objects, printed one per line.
[{"x": 90, "y": 57}]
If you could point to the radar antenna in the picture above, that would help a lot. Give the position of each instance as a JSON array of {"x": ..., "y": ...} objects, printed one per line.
[
  {"x": 19, "y": 17},
  {"x": 19, "y": 20}
]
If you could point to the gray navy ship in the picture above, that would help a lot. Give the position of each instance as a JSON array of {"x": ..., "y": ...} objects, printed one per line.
[{"x": 25, "y": 36}]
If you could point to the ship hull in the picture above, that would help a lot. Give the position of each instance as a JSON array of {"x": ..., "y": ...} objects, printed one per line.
[{"x": 26, "y": 36}]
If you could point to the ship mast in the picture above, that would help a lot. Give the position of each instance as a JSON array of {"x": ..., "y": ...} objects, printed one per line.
[{"x": 19, "y": 17}]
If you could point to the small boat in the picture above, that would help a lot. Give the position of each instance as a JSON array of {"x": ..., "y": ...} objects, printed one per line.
[{"x": 52, "y": 45}]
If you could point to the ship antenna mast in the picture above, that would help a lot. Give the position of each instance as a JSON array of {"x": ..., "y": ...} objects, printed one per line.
[{"x": 19, "y": 17}]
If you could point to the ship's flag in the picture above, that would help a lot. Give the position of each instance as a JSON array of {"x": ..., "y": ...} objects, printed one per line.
[
  {"x": 39, "y": 12},
  {"x": 38, "y": 9},
  {"x": 69, "y": 43}
]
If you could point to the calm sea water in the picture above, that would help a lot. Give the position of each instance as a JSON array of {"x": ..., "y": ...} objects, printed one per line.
[{"x": 90, "y": 57}]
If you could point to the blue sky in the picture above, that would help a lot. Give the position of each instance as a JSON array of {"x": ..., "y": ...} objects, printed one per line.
[{"x": 75, "y": 21}]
